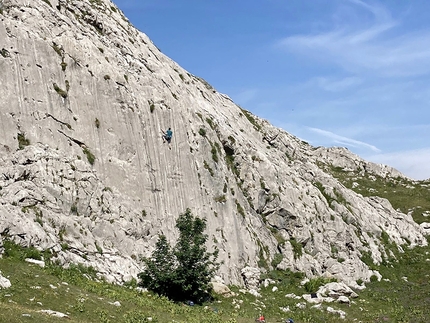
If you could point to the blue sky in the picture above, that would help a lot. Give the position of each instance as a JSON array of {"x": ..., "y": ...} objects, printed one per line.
[{"x": 350, "y": 73}]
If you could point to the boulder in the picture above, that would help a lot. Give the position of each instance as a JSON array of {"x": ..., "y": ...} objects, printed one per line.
[
  {"x": 251, "y": 277},
  {"x": 4, "y": 282},
  {"x": 336, "y": 290},
  {"x": 221, "y": 289}
]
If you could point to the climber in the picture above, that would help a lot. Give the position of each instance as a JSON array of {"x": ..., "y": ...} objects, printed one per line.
[
  {"x": 167, "y": 136},
  {"x": 261, "y": 319}
]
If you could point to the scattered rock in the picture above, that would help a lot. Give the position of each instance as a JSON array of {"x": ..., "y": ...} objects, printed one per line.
[
  {"x": 54, "y": 313},
  {"x": 335, "y": 290},
  {"x": 221, "y": 289},
  {"x": 116, "y": 303},
  {"x": 425, "y": 226},
  {"x": 343, "y": 299},
  {"x": 251, "y": 277},
  {"x": 4, "y": 282},
  {"x": 36, "y": 262},
  {"x": 341, "y": 313}
]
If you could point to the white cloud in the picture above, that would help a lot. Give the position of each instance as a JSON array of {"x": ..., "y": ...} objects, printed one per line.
[
  {"x": 245, "y": 96},
  {"x": 336, "y": 85},
  {"x": 368, "y": 48},
  {"x": 412, "y": 163},
  {"x": 340, "y": 140}
]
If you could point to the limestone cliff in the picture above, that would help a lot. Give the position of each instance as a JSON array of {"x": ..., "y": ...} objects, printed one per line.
[{"x": 85, "y": 173}]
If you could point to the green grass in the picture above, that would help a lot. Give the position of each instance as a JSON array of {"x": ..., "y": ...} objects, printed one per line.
[
  {"x": 403, "y": 295},
  {"x": 403, "y": 194},
  {"x": 251, "y": 119},
  {"x": 88, "y": 300}
]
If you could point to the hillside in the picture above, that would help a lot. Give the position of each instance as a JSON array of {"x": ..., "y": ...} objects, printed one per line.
[{"x": 87, "y": 176}]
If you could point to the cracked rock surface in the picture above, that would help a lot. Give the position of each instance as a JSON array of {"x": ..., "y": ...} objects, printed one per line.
[{"x": 85, "y": 173}]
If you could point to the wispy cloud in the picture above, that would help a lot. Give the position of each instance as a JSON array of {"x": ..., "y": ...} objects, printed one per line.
[
  {"x": 373, "y": 47},
  {"x": 340, "y": 140},
  {"x": 412, "y": 163},
  {"x": 245, "y": 96},
  {"x": 336, "y": 85}
]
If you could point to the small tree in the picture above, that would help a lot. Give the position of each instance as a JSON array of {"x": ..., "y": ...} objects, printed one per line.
[
  {"x": 159, "y": 275},
  {"x": 184, "y": 272},
  {"x": 196, "y": 266}
]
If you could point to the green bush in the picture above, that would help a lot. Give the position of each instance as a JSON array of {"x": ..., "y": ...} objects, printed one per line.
[
  {"x": 22, "y": 141},
  {"x": 314, "y": 284},
  {"x": 183, "y": 272},
  {"x": 251, "y": 119},
  {"x": 210, "y": 170},
  {"x": 90, "y": 156},
  {"x": 47, "y": 1},
  {"x": 240, "y": 209},
  {"x": 297, "y": 248},
  {"x": 15, "y": 251},
  {"x": 277, "y": 260},
  {"x": 220, "y": 198},
  {"x": 60, "y": 91},
  {"x": 202, "y": 132}
]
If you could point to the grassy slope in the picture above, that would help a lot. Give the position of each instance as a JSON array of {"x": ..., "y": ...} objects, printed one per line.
[
  {"x": 403, "y": 194},
  {"x": 398, "y": 300},
  {"x": 403, "y": 295}
]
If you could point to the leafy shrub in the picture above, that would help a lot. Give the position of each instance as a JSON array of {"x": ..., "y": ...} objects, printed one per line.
[
  {"x": 47, "y": 1},
  {"x": 297, "y": 248},
  {"x": 211, "y": 123},
  {"x": 60, "y": 91},
  {"x": 373, "y": 278},
  {"x": 251, "y": 119},
  {"x": 220, "y": 198},
  {"x": 314, "y": 284},
  {"x": 90, "y": 157},
  {"x": 15, "y": 251},
  {"x": 183, "y": 272},
  {"x": 214, "y": 154},
  {"x": 240, "y": 209},
  {"x": 22, "y": 141},
  {"x": 210, "y": 170},
  {"x": 277, "y": 260},
  {"x": 4, "y": 52},
  {"x": 202, "y": 132}
]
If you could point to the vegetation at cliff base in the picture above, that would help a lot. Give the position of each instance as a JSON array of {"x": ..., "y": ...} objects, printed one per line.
[
  {"x": 401, "y": 296},
  {"x": 405, "y": 195},
  {"x": 183, "y": 272}
]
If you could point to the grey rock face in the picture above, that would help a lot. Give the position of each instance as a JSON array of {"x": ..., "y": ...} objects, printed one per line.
[
  {"x": 4, "y": 282},
  {"x": 85, "y": 172}
]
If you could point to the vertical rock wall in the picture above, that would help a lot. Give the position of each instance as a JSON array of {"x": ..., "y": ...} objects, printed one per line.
[{"x": 86, "y": 96}]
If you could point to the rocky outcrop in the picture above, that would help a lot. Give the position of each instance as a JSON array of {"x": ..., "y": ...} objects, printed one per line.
[
  {"x": 86, "y": 175},
  {"x": 4, "y": 282}
]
